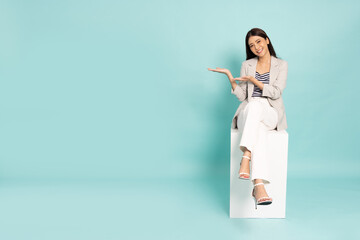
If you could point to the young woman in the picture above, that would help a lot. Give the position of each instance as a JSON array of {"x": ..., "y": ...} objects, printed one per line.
[{"x": 261, "y": 84}]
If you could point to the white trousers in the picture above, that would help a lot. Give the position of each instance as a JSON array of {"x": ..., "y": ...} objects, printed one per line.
[{"x": 255, "y": 120}]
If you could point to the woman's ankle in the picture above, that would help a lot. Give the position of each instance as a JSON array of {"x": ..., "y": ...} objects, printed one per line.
[
  {"x": 247, "y": 153},
  {"x": 257, "y": 180}
]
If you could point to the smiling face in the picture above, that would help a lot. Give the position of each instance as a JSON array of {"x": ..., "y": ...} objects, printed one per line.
[{"x": 258, "y": 45}]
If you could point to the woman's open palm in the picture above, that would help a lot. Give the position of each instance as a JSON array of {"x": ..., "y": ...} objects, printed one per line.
[
  {"x": 243, "y": 78},
  {"x": 221, "y": 70}
]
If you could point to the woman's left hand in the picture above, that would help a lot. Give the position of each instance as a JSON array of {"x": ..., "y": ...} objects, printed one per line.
[{"x": 244, "y": 78}]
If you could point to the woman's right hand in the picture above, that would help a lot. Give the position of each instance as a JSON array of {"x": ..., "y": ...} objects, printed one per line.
[
  {"x": 228, "y": 73},
  {"x": 222, "y": 70}
]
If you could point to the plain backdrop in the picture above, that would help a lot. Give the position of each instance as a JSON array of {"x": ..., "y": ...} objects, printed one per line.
[{"x": 119, "y": 90}]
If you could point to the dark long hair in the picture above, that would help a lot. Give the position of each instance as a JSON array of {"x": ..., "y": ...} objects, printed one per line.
[{"x": 257, "y": 32}]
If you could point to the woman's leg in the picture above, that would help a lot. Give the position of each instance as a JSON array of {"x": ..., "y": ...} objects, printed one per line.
[
  {"x": 260, "y": 164},
  {"x": 255, "y": 121},
  {"x": 250, "y": 119},
  {"x": 242, "y": 118}
]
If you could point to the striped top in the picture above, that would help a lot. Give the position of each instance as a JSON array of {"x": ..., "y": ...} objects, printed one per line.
[{"x": 264, "y": 78}]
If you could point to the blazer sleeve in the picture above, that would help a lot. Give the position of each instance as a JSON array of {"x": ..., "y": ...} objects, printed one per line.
[
  {"x": 275, "y": 90},
  {"x": 240, "y": 89}
]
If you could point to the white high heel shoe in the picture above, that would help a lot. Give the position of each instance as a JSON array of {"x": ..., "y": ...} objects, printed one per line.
[{"x": 267, "y": 201}]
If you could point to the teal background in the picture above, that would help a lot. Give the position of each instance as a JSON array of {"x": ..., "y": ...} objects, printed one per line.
[{"x": 111, "y": 126}]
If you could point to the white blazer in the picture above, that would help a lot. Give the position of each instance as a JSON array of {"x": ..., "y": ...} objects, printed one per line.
[{"x": 273, "y": 91}]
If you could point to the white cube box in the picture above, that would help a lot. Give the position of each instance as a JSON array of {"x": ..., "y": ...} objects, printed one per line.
[{"x": 242, "y": 204}]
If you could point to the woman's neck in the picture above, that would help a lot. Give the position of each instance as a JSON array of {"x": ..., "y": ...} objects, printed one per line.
[{"x": 265, "y": 59}]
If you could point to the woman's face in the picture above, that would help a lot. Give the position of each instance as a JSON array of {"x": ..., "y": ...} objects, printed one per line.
[{"x": 258, "y": 45}]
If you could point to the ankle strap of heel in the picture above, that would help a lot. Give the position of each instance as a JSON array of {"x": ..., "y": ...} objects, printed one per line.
[
  {"x": 258, "y": 184},
  {"x": 246, "y": 157}
]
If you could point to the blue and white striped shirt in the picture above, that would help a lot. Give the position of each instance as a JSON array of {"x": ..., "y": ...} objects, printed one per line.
[{"x": 264, "y": 78}]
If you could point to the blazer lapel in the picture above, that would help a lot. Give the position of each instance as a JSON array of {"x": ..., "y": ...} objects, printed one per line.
[
  {"x": 251, "y": 72},
  {"x": 274, "y": 70}
]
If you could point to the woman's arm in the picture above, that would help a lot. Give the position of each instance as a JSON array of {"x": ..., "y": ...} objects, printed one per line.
[
  {"x": 257, "y": 82},
  {"x": 239, "y": 90}
]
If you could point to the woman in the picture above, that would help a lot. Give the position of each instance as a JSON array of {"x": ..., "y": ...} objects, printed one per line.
[{"x": 261, "y": 84}]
